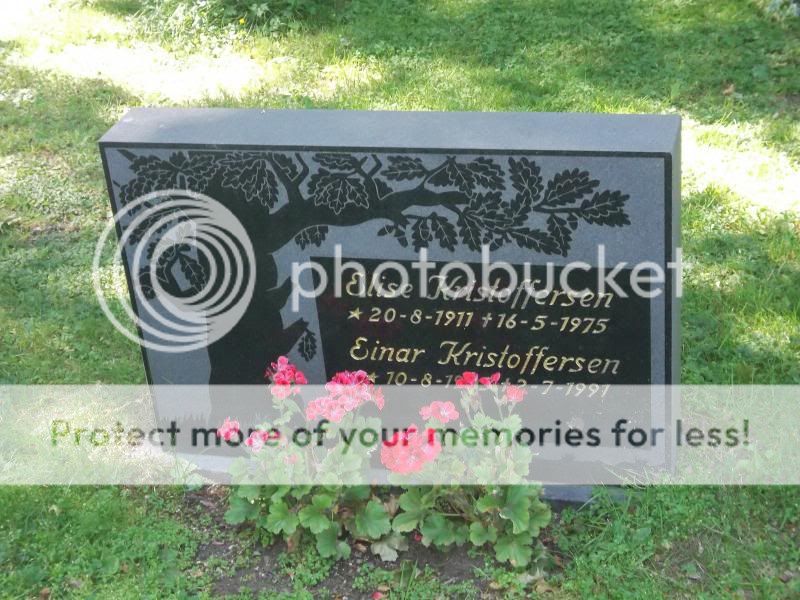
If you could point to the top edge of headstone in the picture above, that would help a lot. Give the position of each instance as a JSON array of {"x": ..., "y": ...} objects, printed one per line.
[{"x": 353, "y": 130}]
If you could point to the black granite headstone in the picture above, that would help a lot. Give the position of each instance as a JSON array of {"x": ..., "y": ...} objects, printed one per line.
[{"x": 531, "y": 188}]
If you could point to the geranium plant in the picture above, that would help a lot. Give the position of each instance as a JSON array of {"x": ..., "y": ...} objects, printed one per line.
[{"x": 508, "y": 517}]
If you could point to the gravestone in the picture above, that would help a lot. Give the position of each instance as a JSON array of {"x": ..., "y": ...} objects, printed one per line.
[
  {"x": 533, "y": 188},
  {"x": 536, "y": 191}
]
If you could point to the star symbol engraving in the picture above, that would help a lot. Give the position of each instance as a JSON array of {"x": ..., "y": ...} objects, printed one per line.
[{"x": 354, "y": 314}]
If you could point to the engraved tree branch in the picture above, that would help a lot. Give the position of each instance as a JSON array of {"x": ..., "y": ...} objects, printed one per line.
[{"x": 468, "y": 200}]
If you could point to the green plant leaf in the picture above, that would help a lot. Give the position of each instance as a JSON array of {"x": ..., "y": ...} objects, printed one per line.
[
  {"x": 297, "y": 492},
  {"x": 479, "y": 534},
  {"x": 323, "y": 501},
  {"x": 313, "y": 517},
  {"x": 281, "y": 519},
  {"x": 641, "y": 535},
  {"x": 240, "y": 511},
  {"x": 461, "y": 534},
  {"x": 437, "y": 530},
  {"x": 248, "y": 492},
  {"x": 516, "y": 508},
  {"x": 356, "y": 493},
  {"x": 405, "y": 522},
  {"x": 540, "y": 516},
  {"x": 413, "y": 500},
  {"x": 280, "y": 492},
  {"x": 414, "y": 505},
  {"x": 515, "y": 549},
  {"x": 372, "y": 521},
  {"x": 491, "y": 501},
  {"x": 329, "y": 544},
  {"x": 388, "y": 547}
]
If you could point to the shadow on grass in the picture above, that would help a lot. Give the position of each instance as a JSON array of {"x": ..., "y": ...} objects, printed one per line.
[
  {"x": 51, "y": 327},
  {"x": 717, "y": 61},
  {"x": 57, "y": 111},
  {"x": 567, "y": 55},
  {"x": 741, "y": 304},
  {"x": 118, "y": 8}
]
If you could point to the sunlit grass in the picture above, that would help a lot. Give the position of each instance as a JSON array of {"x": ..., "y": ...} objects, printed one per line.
[{"x": 71, "y": 69}]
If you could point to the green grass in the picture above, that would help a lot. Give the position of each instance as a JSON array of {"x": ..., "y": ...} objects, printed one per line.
[
  {"x": 726, "y": 65},
  {"x": 741, "y": 304},
  {"x": 686, "y": 542},
  {"x": 87, "y": 542}
]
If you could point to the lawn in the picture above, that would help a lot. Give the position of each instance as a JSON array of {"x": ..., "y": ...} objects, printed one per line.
[{"x": 730, "y": 68}]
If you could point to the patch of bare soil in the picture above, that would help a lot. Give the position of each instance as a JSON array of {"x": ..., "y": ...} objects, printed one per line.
[{"x": 450, "y": 567}]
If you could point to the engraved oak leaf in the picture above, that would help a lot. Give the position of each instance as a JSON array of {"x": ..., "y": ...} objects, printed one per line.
[
  {"x": 250, "y": 173},
  {"x": 487, "y": 173},
  {"x": 286, "y": 164},
  {"x": 421, "y": 234},
  {"x": 180, "y": 170},
  {"x": 307, "y": 346},
  {"x": 311, "y": 235},
  {"x": 606, "y": 208},
  {"x": 193, "y": 271},
  {"x": 337, "y": 190},
  {"x": 444, "y": 231},
  {"x": 404, "y": 167},
  {"x": 527, "y": 180},
  {"x": 568, "y": 186},
  {"x": 454, "y": 174},
  {"x": 534, "y": 239},
  {"x": 481, "y": 172},
  {"x": 560, "y": 231},
  {"x": 183, "y": 171},
  {"x": 337, "y": 161}
]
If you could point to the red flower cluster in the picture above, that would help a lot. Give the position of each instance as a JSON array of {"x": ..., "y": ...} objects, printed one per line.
[
  {"x": 441, "y": 411},
  {"x": 284, "y": 375},
  {"x": 469, "y": 378},
  {"x": 409, "y": 451},
  {"x": 346, "y": 392}
]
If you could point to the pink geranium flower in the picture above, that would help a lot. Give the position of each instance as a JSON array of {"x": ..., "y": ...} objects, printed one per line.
[
  {"x": 491, "y": 380},
  {"x": 346, "y": 391},
  {"x": 228, "y": 429},
  {"x": 514, "y": 393},
  {"x": 256, "y": 440},
  {"x": 409, "y": 451},
  {"x": 467, "y": 379},
  {"x": 284, "y": 376},
  {"x": 443, "y": 412}
]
